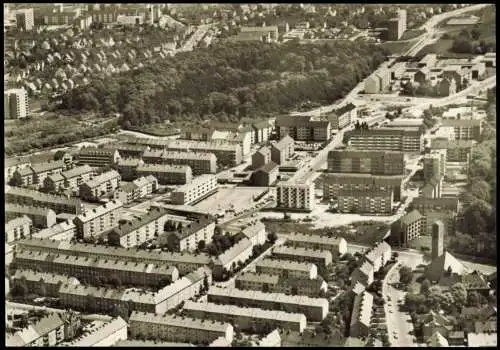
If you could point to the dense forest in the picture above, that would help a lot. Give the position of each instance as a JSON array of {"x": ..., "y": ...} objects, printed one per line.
[{"x": 230, "y": 81}]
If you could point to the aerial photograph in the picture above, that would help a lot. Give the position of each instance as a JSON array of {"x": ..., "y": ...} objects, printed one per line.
[{"x": 250, "y": 175}]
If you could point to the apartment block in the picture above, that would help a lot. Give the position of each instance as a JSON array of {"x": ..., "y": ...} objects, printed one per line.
[
  {"x": 299, "y": 196},
  {"x": 63, "y": 231},
  {"x": 48, "y": 331},
  {"x": 198, "y": 189},
  {"x": 185, "y": 262},
  {"x": 261, "y": 132},
  {"x": 365, "y": 202},
  {"x": 255, "y": 232},
  {"x": 318, "y": 257},
  {"x": 407, "y": 228},
  {"x": 282, "y": 150},
  {"x": 105, "y": 335},
  {"x": 366, "y": 162},
  {"x": 97, "y": 157},
  {"x": 105, "y": 300},
  {"x": 459, "y": 151},
  {"x": 277, "y": 284},
  {"x": 388, "y": 139},
  {"x": 16, "y": 105},
  {"x": 98, "y": 220},
  {"x": 361, "y": 315},
  {"x": 342, "y": 117},
  {"x": 266, "y": 175},
  {"x": 127, "y": 167},
  {"x": 42, "y": 283},
  {"x": 97, "y": 269},
  {"x": 25, "y": 19},
  {"x": 128, "y": 151},
  {"x": 257, "y": 320},
  {"x": 18, "y": 228},
  {"x": 303, "y": 128},
  {"x": 40, "y": 217},
  {"x": 261, "y": 157},
  {"x": 379, "y": 255},
  {"x": 167, "y": 174},
  {"x": 100, "y": 185},
  {"x": 70, "y": 179},
  {"x": 176, "y": 328},
  {"x": 363, "y": 274},
  {"x": 315, "y": 309},
  {"x": 434, "y": 209},
  {"x": 464, "y": 129},
  {"x": 228, "y": 260},
  {"x": 13, "y": 164},
  {"x": 189, "y": 236},
  {"x": 200, "y": 163},
  {"x": 336, "y": 245},
  {"x": 36, "y": 173},
  {"x": 334, "y": 183},
  {"x": 286, "y": 268},
  {"x": 136, "y": 189},
  {"x": 28, "y": 197}
]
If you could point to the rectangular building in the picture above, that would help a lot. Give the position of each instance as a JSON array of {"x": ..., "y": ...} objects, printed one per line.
[
  {"x": 365, "y": 201},
  {"x": 178, "y": 328},
  {"x": 299, "y": 196},
  {"x": 189, "y": 236},
  {"x": 70, "y": 179},
  {"x": 100, "y": 185},
  {"x": 464, "y": 129},
  {"x": 315, "y": 309},
  {"x": 303, "y": 128},
  {"x": 36, "y": 173},
  {"x": 363, "y": 274},
  {"x": 342, "y": 117},
  {"x": 63, "y": 231},
  {"x": 361, "y": 315},
  {"x": 256, "y": 320},
  {"x": 167, "y": 174},
  {"x": 228, "y": 260},
  {"x": 318, "y": 257},
  {"x": 366, "y": 162},
  {"x": 98, "y": 220},
  {"x": 18, "y": 228},
  {"x": 105, "y": 335},
  {"x": 199, "y": 188},
  {"x": 42, "y": 283},
  {"x": 433, "y": 209},
  {"x": 379, "y": 255},
  {"x": 287, "y": 268},
  {"x": 60, "y": 204},
  {"x": 336, "y": 245},
  {"x": 41, "y": 217},
  {"x": 200, "y": 163},
  {"x": 97, "y": 157},
  {"x": 388, "y": 139},
  {"x": 48, "y": 331},
  {"x": 282, "y": 150},
  {"x": 407, "y": 228},
  {"x": 16, "y": 105},
  {"x": 25, "y": 19},
  {"x": 127, "y": 167}
]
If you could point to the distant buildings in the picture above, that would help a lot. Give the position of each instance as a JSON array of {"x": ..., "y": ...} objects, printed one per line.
[
  {"x": 16, "y": 105},
  {"x": 464, "y": 129},
  {"x": 200, "y": 163},
  {"x": 198, "y": 189},
  {"x": 303, "y": 128},
  {"x": 267, "y": 34},
  {"x": 25, "y": 19},
  {"x": 296, "y": 196},
  {"x": 397, "y": 26}
]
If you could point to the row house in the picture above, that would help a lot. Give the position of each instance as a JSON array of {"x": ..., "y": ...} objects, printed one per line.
[
  {"x": 34, "y": 198},
  {"x": 286, "y": 268},
  {"x": 100, "y": 185},
  {"x": 42, "y": 283},
  {"x": 361, "y": 315},
  {"x": 228, "y": 260},
  {"x": 336, "y": 245},
  {"x": 188, "y": 237},
  {"x": 35, "y": 174},
  {"x": 70, "y": 179},
  {"x": 318, "y": 257},
  {"x": 136, "y": 189}
]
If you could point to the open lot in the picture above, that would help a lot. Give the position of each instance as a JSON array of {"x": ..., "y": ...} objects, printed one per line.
[{"x": 237, "y": 198}]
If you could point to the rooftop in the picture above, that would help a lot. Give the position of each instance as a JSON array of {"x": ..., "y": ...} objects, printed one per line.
[
  {"x": 27, "y": 210},
  {"x": 40, "y": 196},
  {"x": 285, "y": 264},
  {"x": 101, "y": 333},
  {"x": 230, "y": 254},
  {"x": 104, "y": 177},
  {"x": 98, "y": 211},
  {"x": 300, "y": 251},
  {"x": 411, "y": 217},
  {"x": 362, "y": 309}
]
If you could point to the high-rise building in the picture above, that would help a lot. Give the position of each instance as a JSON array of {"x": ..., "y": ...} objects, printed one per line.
[
  {"x": 296, "y": 196},
  {"x": 25, "y": 19},
  {"x": 16, "y": 104},
  {"x": 437, "y": 239},
  {"x": 432, "y": 167},
  {"x": 367, "y": 162}
]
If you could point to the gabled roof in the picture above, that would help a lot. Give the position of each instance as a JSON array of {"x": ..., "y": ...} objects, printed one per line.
[
  {"x": 437, "y": 340},
  {"x": 283, "y": 143}
]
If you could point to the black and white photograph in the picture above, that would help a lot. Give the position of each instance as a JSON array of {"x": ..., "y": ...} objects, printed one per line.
[{"x": 250, "y": 175}]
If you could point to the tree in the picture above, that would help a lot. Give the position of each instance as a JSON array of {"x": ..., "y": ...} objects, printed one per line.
[
  {"x": 459, "y": 294},
  {"x": 405, "y": 275},
  {"x": 425, "y": 286},
  {"x": 272, "y": 237},
  {"x": 115, "y": 281},
  {"x": 19, "y": 290},
  {"x": 201, "y": 245},
  {"x": 475, "y": 33},
  {"x": 481, "y": 190},
  {"x": 206, "y": 284},
  {"x": 474, "y": 299},
  {"x": 477, "y": 217}
]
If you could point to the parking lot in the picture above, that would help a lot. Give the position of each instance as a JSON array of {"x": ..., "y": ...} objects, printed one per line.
[{"x": 232, "y": 198}]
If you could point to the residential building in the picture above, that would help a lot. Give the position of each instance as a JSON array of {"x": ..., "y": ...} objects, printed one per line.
[
  {"x": 167, "y": 174},
  {"x": 363, "y": 274},
  {"x": 303, "y": 128},
  {"x": 136, "y": 189},
  {"x": 378, "y": 82},
  {"x": 389, "y": 185},
  {"x": 16, "y": 105},
  {"x": 178, "y": 328},
  {"x": 83, "y": 268},
  {"x": 379, "y": 255},
  {"x": 24, "y": 19},
  {"x": 146, "y": 185},
  {"x": 261, "y": 157},
  {"x": 42, "y": 283},
  {"x": 228, "y": 260},
  {"x": 365, "y": 201},
  {"x": 296, "y": 196},
  {"x": 273, "y": 339},
  {"x": 128, "y": 151},
  {"x": 266, "y": 175},
  {"x": 55, "y": 17},
  {"x": 255, "y": 232},
  {"x": 70, "y": 179},
  {"x": 428, "y": 61},
  {"x": 107, "y": 334},
  {"x": 444, "y": 209},
  {"x": 18, "y": 228},
  {"x": 482, "y": 340},
  {"x": 269, "y": 32},
  {"x": 13, "y": 164},
  {"x": 342, "y": 117},
  {"x": 435, "y": 322},
  {"x": 104, "y": 300},
  {"x": 127, "y": 167},
  {"x": 336, "y": 245},
  {"x": 98, "y": 157},
  {"x": 387, "y": 139},
  {"x": 282, "y": 150},
  {"x": 247, "y": 318},
  {"x": 201, "y": 187},
  {"x": 98, "y": 220},
  {"x": 287, "y": 268},
  {"x": 200, "y": 163},
  {"x": 40, "y": 217},
  {"x": 185, "y": 262},
  {"x": 319, "y": 257},
  {"x": 361, "y": 315},
  {"x": 63, "y": 231},
  {"x": 189, "y": 236},
  {"x": 367, "y": 162},
  {"x": 24, "y": 196},
  {"x": 459, "y": 151},
  {"x": 275, "y": 284},
  {"x": 100, "y": 186},
  {"x": 261, "y": 132},
  {"x": 315, "y": 309},
  {"x": 407, "y": 228},
  {"x": 437, "y": 340},
  {"x": 465, "y": 129},
  {"x": 142, "y": 229},
  {"x": 36, "y": 173}
]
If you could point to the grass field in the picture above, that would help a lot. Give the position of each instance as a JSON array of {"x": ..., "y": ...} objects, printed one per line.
[
  {"x": 412, "y": 33},
  {"x": 397, "y": 47}
]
